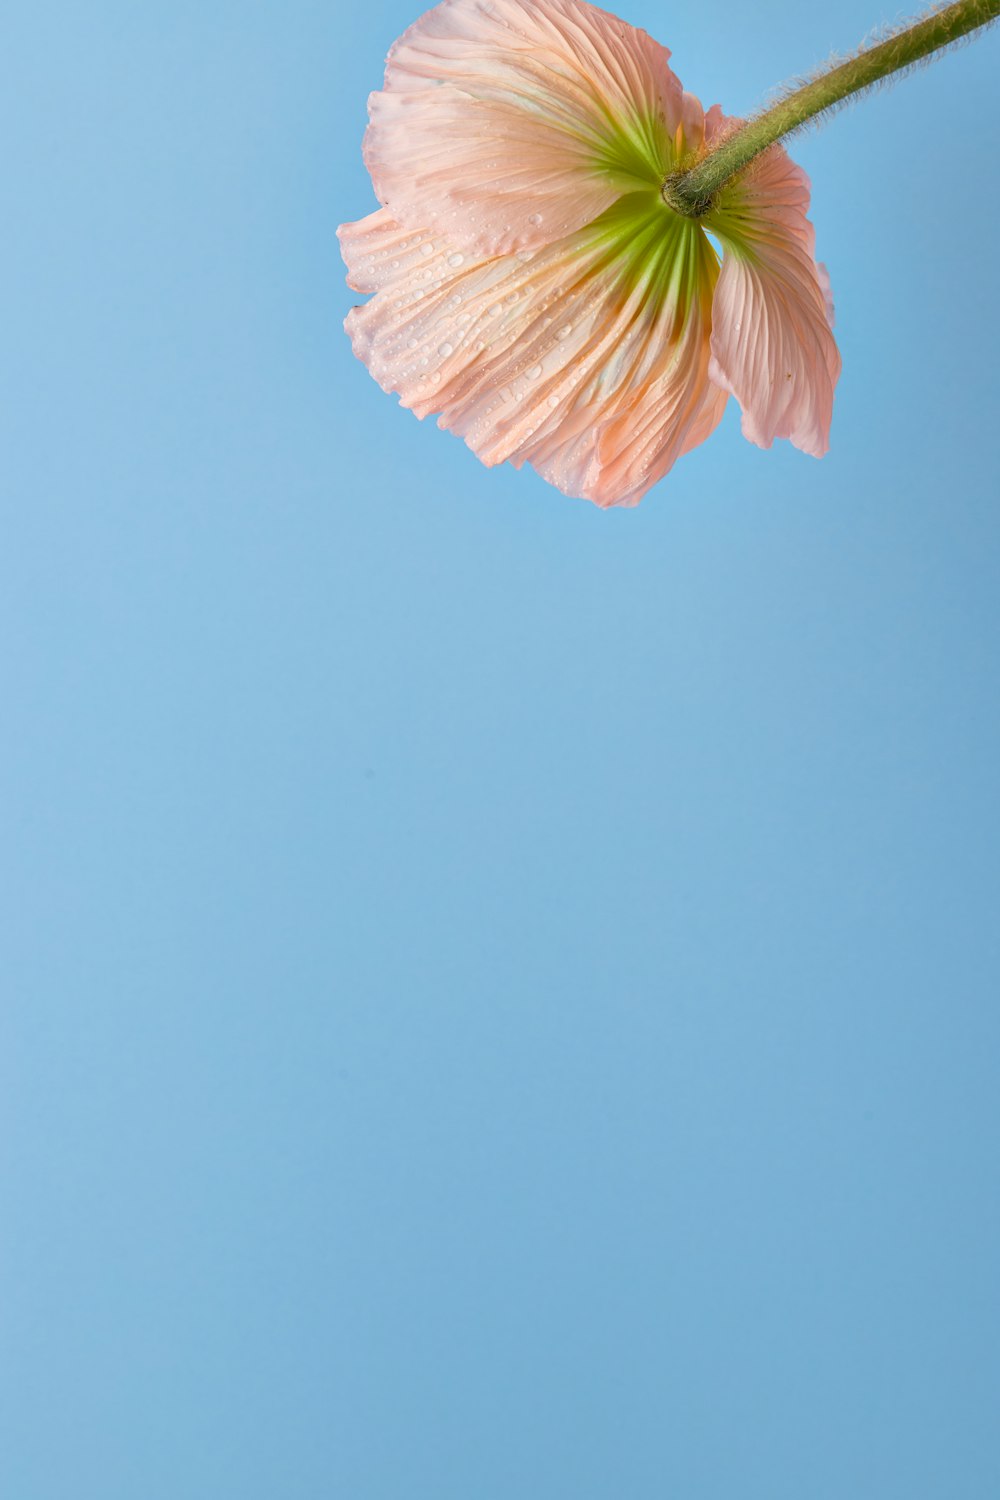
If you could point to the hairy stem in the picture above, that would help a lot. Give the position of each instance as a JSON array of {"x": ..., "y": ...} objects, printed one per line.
[{"x": 693, "y": 191}]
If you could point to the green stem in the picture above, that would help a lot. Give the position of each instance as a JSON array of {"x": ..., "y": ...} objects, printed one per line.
[{"x": 692, "y": 192}]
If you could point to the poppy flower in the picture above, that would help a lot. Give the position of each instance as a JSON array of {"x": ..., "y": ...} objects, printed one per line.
[{"x": 531, "y": 284}]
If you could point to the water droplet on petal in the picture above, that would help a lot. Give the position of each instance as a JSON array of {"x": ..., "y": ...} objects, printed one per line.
[
  {"x": 534, "y": 373},
  {"x": 457, "y": 259},
  {"x": 564, "y": 332},
  {"x": 534, "y": 218},
  {"x": 445, "y": 350},
  {"x": 495, "y": 310},
  {"x": 426, "y": 248}
]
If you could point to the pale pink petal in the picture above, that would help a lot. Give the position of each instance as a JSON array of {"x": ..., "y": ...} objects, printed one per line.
[
  {"x": 507, "y": 124},
  {"x": 771, "y": 342},
  {"x": 551, "y": 358},
  {"x": 641, "y": 436}
]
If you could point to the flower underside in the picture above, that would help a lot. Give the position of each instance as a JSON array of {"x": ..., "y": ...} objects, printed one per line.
[{"x": 531, "y": 285}]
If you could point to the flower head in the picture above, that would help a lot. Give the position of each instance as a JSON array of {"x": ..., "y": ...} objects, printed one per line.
[{"x": 530, "y": 282}]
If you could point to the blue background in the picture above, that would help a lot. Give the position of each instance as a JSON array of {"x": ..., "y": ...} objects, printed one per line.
[{"x": 500, "y": 999}]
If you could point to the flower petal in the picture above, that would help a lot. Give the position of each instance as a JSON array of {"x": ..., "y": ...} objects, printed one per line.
[
  {"x": 507, "y": 124},
  {"x": 587, "y": 359},
  {"x": 771, "y": 342}
]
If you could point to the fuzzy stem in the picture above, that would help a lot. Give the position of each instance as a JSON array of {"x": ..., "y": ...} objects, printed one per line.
[{"x": 692, "y": 192}]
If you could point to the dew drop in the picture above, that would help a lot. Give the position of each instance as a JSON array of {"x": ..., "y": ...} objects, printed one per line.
[
  {"x": 534, "y": 218},
  {"x": 564, "y": 333},
  {"x": 457, "y": 259},
  {"x": 495, "y": 310},
  {"x": 553, "y": 400},
  {"x": 411, "y": 343},
  {"x": 426, "y": 248},
  {"x": 445, "y": 350},
  {"x": 533, "y": 374}
]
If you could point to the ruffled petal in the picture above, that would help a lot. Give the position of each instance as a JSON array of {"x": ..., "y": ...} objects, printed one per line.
[
  {"x": 507, "y": 124},
  {"x": 587, "y": 359},
  {"x": 772, "y": 347}
]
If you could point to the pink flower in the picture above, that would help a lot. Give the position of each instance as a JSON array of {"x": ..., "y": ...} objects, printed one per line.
[{"x": 532, "y": 286}]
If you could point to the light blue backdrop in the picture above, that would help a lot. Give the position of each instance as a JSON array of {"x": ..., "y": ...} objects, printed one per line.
[{"x": 499, "y": 1000}]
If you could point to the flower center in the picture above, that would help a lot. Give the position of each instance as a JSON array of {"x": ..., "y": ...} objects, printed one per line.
[{"x": 645, "y": 247}]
